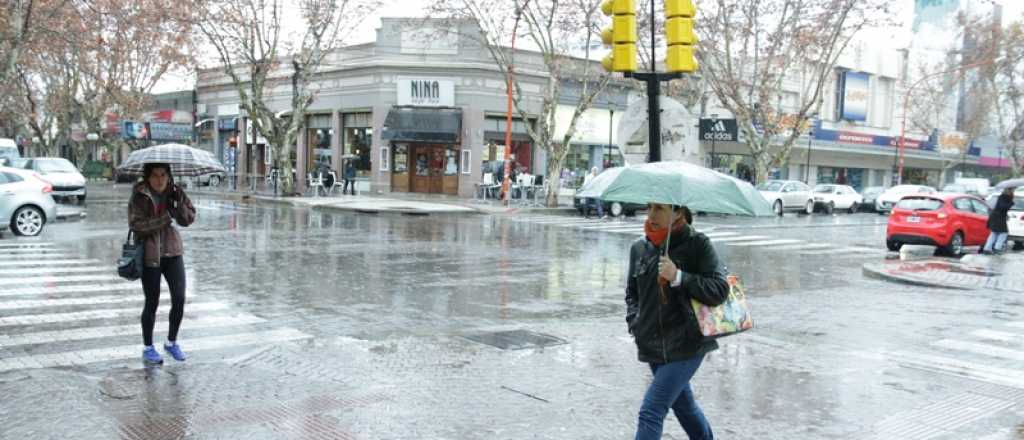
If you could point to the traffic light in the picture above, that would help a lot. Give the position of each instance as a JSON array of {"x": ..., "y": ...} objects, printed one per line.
[
  {"x": 621, "y": 35},
  {"x": 680, "y": 36}
]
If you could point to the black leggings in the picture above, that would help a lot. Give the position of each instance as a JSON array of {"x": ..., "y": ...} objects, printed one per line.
[{"x": 173, "y": 270}]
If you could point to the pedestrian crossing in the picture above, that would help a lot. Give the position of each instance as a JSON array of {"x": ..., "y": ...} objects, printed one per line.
[
  {"x": 721, "y": 236},
  {"x": 52, "y": 298}
]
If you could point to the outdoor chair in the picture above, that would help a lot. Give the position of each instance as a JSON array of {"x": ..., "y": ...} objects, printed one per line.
[
  {"x": 337, "y": 182},
  {"x": 316, "y": 184}
]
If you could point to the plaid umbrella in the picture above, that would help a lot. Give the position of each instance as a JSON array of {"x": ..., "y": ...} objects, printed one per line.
[{"x": 184, "y": 160}]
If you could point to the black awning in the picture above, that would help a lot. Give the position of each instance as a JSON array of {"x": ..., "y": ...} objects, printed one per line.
[
  {"x": 441, "y": 125},
  {"x": 499, "y": 136}
]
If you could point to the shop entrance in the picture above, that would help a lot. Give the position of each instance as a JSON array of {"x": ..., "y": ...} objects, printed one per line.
[{"x": 433, "y": 169}]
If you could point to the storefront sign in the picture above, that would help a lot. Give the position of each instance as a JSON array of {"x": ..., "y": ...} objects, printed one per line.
[
  {"x": 953, "y": 142},
  {"x": 227, "y": 124},
  {"x": 134, "y": 130},
  {"x": 719, "y": 130},
  {"x": 855, "y": 96},
  {"x": 165, "y": 131},
  {"x": 852, "y": 137},
  {"x": 426, "y": 92}
]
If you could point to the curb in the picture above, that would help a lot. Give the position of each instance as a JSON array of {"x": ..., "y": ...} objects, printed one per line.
[{"x": 878, "y": 274}]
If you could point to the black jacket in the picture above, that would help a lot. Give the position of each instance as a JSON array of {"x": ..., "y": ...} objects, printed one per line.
[
  {"x": 668, "y": 332},
  {"x": 997, "y": 217}
]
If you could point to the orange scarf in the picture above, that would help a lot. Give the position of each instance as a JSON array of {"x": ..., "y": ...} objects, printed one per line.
[{"x": 658, "y": 236}]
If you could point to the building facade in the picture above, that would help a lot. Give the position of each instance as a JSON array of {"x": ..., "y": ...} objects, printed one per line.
[{"x": 417, "y": 110}]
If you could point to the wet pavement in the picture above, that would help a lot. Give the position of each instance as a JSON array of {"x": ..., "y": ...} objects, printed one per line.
[{"x": 305, "y": 323}]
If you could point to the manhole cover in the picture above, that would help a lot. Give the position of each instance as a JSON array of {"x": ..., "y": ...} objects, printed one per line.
[{"x": 515, "y": 339}]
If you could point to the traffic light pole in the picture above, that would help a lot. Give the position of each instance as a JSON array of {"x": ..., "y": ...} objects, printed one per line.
[{"x": 653, "y": 81}]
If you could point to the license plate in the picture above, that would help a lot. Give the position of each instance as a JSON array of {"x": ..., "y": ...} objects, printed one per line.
[{"x": 913, "y": 219}]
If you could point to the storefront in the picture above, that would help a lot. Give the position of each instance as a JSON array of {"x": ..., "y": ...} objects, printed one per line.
[
  {"x": 357, "y": 140},
  {"x": 318, "y": 141},
  {"x": 425, "y": 149},
  {"x": 855, "y": 177}
]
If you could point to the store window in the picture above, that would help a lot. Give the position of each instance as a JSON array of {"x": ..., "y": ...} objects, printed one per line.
[
  {"x": 318, "y": 142},
  {"x": 357, "y": 140}
]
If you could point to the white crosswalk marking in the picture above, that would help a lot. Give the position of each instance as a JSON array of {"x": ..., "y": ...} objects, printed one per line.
[
  {"x": 723, "y": 234},
  {"x": 37, "y": 255},
  {"x": 74, "y": 289},
  {"x": 79, "y": 334},
  {"x": 982, "y": 349},
  {"x": 63, "y": 302},
  {"x": 56, "y": 279},
  {"x": 134, "y": 351},
  {"x": 51, "y": 318},
  {"x": 767, "y": 243},
  {"x": 52, "y": 270},
  {"x": 802, "y": 246},
  {"x": 739, "y": 238},
  {"x": 25, "y": 245},
  {"x": 997, "y": 335},
  {"x": 21, "y": 263}
]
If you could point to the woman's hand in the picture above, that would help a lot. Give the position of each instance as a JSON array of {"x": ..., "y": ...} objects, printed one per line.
[{"x": 667, "y": 269}]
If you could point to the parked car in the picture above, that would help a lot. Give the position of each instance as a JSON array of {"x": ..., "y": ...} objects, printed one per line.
[
  {"x": 61, "y": 173},
  {"x": 974, "y": 185},
  {"x": 25, "y": 202},
  {"x": 869, "y": 195},
  {"x": 887, "y": 199},
  {"x": 787, "y": 195},
  {"x": 829, "y": 197},
  {"x": 948, "y": 221},
  {"x": 613, "y": 209},
  {"x": 1014, "y": 220},
  {"x": 957, "y": 188}
]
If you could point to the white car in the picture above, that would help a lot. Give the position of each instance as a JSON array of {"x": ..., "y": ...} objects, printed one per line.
[
  {"x": 886, "y": 200},
  {"x": 787, "y": 195},
  {"x": 25, "y": 202},
  {"x": 66, "y": 180},
  {"x": 830, "y": 197}
]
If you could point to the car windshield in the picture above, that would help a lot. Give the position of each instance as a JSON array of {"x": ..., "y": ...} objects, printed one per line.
[
  {"x": 874, "y": 190},
  {"x": 56, "y": 166},
  {"x": 824, "y": 189},
  {"x": 770, "y": 186},
  {"x": 919, "y": 204}
]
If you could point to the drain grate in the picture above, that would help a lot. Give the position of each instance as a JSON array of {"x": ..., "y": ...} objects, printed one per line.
[{"x": 516, "y": 339}]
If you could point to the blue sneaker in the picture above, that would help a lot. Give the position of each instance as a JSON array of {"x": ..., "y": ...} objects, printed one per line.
[
  {"x": 175, "y": 351},
  {"x": 150, "y": 356}
]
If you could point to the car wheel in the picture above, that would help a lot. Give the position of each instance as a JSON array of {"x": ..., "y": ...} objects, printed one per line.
[
  {"x": 81, "y": 199},
  {"x": 213, "y": 182},
  {"x": 893, "y": 245},
  {"x": 777, "y": 207},
  {"x": 854, "y": 208},
  {"x": 830, "y": 208},
  {"x": 27, "y": 221},
  {"x": 615, "y": 209},
  {"x": 956, "y": 245},
  {"x": 1018, "y": 245},
  {"x": 809, "y": 208}
]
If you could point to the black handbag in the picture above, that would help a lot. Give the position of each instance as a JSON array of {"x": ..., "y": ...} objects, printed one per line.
[{"x": 129, "y": 266}]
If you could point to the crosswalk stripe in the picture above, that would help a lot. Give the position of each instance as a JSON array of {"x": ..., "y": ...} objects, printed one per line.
[
  {"x": 1017, "y": 324},
  {"x": 614, "y": 227},
  {"x": 80, "y": 357},
  {"x": 52, "y": 270},
  {"x": 741, "y": 238},
  {"x": 19, "y": 263},
  {"x": 80, "y": 334},
  {"x": 767, "y": 242},
  {"x": 64, "y": 302},
  {"x": 18, "y": 251},
  {"x": 956, "y": 367},
  {"x": 56, "y": 279},
  {"x": 721, "y": 234},
  {"x": 979, "y": 348},
  {"x": 842, "y": 250},
  {"x": 802, "y": 246},
  {"x": 51, "y": 318},
  {"x": 37, "y": 255},
  {"x": 73, "y": 289},
  {"x": 997, "y": 335},
  {"x": 26, "y": 245}
]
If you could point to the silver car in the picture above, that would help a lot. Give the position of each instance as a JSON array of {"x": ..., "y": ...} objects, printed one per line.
[
  {"x": 67, "y": 181},
  {"x": 25, "y": 202}
]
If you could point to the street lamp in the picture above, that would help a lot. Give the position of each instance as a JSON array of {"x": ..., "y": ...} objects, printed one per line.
[
  {"x": 611, "y": 119},
  {"x": 810, "y": 136},
  {"x": 92, "y": 137},
  {"x": 505, "y": 182},
  {"x": 714, "y": 122}
]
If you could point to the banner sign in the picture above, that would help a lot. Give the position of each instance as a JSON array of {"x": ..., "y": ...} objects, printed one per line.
[
  {"x": 134, "y": 130},
  {"x": 166, "y": 131},
  {"x": 852, "y": 137},
  {"x": 855, "y": 96},
  {"x": 719, "y": 130}
]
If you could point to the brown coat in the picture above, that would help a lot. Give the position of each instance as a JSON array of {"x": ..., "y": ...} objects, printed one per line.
[{"x": 156, "y": 232}]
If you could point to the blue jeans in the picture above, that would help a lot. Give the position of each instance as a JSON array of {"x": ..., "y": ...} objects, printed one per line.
[
  {"x": 996, "y": 241},
  {"x": 671, "y": 389}
]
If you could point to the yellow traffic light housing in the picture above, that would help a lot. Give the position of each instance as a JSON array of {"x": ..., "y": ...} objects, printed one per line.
[
  {"x": 680, "y": 36},
  {"x": 621, "y": 35}
]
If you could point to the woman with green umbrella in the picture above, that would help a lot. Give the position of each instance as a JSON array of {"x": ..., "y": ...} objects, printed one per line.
[{"x": 670, "y": 265}]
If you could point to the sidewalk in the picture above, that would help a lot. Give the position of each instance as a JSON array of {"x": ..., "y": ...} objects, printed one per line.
[
  {"x": 403, "y": 203},
  {"x": 971, "y": 272}
]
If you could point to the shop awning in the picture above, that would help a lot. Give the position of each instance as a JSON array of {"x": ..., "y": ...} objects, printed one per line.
[{"x": 440, "y": 125}]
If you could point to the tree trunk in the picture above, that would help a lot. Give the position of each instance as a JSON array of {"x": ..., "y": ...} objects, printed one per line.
[{"x": 553, "y": 177}]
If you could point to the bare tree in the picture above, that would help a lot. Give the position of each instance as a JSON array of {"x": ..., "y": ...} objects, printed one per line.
[
  {"x": 1006, "y": 86},
  {"x": 256, "y": 53},
  {"x": 555, "y": 29},
  {"x": 750, "y": 48}
]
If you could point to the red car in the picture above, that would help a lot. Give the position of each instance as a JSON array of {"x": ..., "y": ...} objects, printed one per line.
[{"x": 949, "y": 221}]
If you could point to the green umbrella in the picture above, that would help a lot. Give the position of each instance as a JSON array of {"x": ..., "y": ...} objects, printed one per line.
[{"x": 685, "y": 184}]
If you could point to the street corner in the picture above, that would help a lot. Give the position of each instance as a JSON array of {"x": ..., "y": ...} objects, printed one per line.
[{"x": 971, "y": 272}]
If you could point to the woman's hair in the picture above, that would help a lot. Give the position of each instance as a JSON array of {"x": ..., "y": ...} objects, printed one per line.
[
  {"x": 147, "y": 170},
  {"x": 1008, "y": 190},
  {"x": 687, "y": 214}
]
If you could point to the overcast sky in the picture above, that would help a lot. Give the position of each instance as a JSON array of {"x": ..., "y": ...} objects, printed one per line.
[{"x": 1012, "y": 9}]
